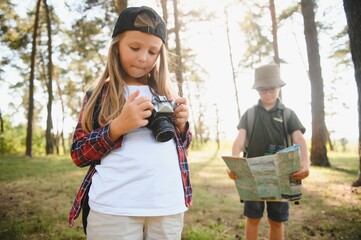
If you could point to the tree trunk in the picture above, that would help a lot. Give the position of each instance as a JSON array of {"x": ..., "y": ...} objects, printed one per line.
[
  {"x": 60, "y": 94},
  {"x": 195, "y": 135},
  {"x": 179, "y": 70},
  {"x": 1, "y": 123},
  {"x": 353, "y": 16},
  {"x": 165, "y": 16},
  {"x": 120, "y": 5},
  {"x": 274, "y": 32},
  {"x": 49, "y": 147},
  {"x": 29, "y": 130},
  {"x": 318, "y": 149},
  {"x": 232, "y": 65},
  {"x": 276, "y": 57},
  {"x": 218, "y": 141}
]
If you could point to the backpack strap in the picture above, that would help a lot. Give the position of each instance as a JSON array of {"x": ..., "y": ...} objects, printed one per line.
[
  {"x": 250, "y": 126},
  {"x": 97, "y": 107},
  {"x": 250, "y": 121},
  {"x": 286, "y": 116}
]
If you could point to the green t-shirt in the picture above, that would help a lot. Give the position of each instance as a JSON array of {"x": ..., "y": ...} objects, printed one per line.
[{"x": 268, "y": 129}]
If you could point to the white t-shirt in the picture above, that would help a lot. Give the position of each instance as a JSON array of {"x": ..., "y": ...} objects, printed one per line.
[{"x": 141, "y": 178}]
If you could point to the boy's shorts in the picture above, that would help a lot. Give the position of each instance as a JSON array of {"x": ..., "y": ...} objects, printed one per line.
[{"x": 277, "y": 211}]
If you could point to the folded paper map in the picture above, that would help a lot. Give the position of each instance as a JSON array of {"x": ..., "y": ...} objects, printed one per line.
[{"x": 267, "y": 178}]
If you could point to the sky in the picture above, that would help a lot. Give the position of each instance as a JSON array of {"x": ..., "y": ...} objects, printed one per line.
[{"x": 208, "y": 41}]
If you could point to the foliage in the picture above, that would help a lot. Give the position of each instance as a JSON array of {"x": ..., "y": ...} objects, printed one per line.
[
  {"x": 258, "y": 41},
  {"x": 37, "y": 207},
  {"x": 81, "y": 33},
  {"x": 12, "y": 140}
]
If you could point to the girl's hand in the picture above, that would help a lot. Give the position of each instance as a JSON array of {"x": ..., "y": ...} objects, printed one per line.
[
  {"x": 181, "y": 113},
  {"x": 134, "y": 114}
]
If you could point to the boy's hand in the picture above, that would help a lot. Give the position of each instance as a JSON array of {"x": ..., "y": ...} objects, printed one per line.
[
  {"x": 303, "y": 173},
  {"x": 231, "y": 175}
]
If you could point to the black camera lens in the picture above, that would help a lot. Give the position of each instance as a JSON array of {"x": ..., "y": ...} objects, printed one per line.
[{"x": 163, "y": 129}]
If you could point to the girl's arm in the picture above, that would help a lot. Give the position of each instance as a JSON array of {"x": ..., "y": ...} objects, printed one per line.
[
  {"x": 185, "y": 135},
  {"x": 88, "y": 148}
]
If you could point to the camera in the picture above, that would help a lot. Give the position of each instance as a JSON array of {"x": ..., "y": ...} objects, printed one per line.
[{"x": 160, "y": 121}]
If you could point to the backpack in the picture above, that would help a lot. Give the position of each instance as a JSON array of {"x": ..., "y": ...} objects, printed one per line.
[{"x": 286, "y": 114}]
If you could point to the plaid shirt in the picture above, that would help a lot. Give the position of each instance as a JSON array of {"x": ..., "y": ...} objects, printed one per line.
[{"x": 88, "y": 149}]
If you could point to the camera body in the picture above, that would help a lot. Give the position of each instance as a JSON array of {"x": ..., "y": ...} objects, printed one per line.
[{"x": 160, "y": 121}]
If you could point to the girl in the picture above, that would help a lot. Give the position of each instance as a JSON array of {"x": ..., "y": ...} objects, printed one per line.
[{"x": 138, "y": 187}]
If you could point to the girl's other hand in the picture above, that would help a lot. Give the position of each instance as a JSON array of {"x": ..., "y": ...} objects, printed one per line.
[{"x": 181, "y": 113}]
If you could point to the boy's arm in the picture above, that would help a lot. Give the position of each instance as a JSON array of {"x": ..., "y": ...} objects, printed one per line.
[
  {"x": 237, "y": 148},
  {"x": 238, "y": 143},
  {"x": 297, "y": 138}
]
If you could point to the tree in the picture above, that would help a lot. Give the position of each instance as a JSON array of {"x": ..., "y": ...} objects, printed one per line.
[
  {"x": 179, "y": 70},
  {"x": 1, "y": 123},
  {"x": 274, "y": 32},
  {"x": 353, "y": 16},
  {"x": 276, "y": 57},
  {"x": 49, "y": 122},
  {"x": 120, "y": 5},
  {"x": 318, "y": 148},
  {"x": 186, "y": 72},
  {"x": 232, "y": 64},
  {"x": 258, "y": 46},
  {"x": 165, "y": 16},
  {"x": 29, "y": 130}
]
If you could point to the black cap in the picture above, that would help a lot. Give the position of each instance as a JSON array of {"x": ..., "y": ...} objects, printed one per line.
[{"x": 126, "y": 21}]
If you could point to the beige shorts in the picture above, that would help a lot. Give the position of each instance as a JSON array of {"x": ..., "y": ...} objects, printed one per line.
[{"x": 112, "y": 227}]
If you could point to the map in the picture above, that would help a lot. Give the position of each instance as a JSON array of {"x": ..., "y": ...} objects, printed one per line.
[{"x": 267, "y": 178}]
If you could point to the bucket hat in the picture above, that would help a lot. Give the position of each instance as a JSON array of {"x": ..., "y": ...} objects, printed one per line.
[
  {"x": 267, "y": 76},
  {"x": 127, "y": 21}
]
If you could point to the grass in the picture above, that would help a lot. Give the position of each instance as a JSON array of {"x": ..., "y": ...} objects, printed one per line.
[{"x": 36, "y": 195}]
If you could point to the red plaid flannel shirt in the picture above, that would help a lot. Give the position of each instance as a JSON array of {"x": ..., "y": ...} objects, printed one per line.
[{"x": 88, "y": 149}]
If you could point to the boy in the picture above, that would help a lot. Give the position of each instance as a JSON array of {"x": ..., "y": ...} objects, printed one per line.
[{"x": 268, "y": 135}]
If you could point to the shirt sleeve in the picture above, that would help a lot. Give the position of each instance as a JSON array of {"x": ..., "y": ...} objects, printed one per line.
[
  {"x": 243, "y": 122},
  {"x": 89, "y": 148},
  {"x": 294, "y": 124},
  {"x": 186, "y": 141}
]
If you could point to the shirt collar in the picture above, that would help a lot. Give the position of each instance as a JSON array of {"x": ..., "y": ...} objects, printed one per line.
[{"x": 279, "y": 105}]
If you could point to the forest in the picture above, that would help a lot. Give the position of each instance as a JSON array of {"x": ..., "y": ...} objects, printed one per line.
[{"x": 53, "y": 51}]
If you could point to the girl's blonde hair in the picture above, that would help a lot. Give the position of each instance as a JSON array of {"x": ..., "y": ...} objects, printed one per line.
[{"x": 113, "y": 98}]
